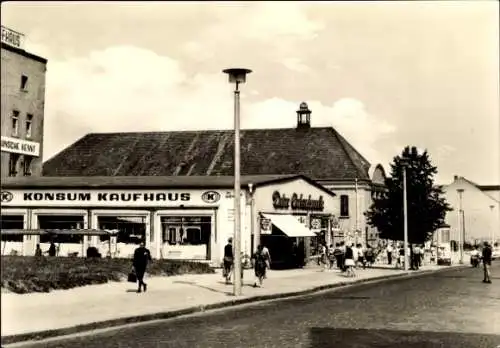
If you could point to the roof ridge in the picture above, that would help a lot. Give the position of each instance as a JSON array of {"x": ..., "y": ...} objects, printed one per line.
[
  {"x": 343, "y": 142},
  {"x": 197, "y": 130}
]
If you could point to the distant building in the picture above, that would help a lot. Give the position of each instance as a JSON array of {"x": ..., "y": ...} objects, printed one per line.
[
  {"x": 23, "y": 100},
  {"x": 321, "y": 154},
  {"x": 481, "y": 217}
]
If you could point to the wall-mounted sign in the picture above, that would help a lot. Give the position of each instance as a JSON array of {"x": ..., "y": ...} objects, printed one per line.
[
  {"x": 23, "y": 147},
  {"x": 210, "y": 197},
  {"x": 102, "y": 198},
  {"x": 12, "y": 38},
  {"x": 265, "y": 226},
  {"x": 297, "y": 202}
]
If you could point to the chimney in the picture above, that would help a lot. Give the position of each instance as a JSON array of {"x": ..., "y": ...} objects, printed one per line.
[
  {"x": 455, "y": 177},
  {"x": 303, "y": 116}
]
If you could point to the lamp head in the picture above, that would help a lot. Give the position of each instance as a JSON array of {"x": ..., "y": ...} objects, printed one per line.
[
  {"x": 237, "y": 75},
  {"x": 460, "y": 190}
]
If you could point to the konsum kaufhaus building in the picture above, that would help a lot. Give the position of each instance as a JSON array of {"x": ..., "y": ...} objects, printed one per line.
[
  {"x": 320, "y": 153},
  {"x": 179, "y": 217}
]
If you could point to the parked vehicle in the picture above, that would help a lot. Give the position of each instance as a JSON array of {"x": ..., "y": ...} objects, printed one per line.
[
  {"x": 475, "y": 260},
  {"x": 496, "y": 253},
  {"x": 444, "y": 255}
]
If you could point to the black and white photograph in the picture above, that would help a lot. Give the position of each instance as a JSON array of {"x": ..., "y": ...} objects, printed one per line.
[{"x": 250, "y": 174}]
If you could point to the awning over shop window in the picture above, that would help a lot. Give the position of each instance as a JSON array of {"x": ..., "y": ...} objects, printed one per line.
[{"x": 289, "y": 225}]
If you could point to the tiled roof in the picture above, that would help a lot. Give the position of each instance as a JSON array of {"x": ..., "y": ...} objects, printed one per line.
[
  {"x": 319, "y": 153},
  {"x": 134, "y": 181},
  {"x": 103, "y": 182}
]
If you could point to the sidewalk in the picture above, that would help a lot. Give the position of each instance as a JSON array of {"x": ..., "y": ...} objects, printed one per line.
[{"x": 31, "y": 313}]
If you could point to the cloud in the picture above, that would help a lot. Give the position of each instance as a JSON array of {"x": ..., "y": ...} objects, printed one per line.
[
  {"x": 296, "y": 65},
  {"x": 128, "y": 88}
]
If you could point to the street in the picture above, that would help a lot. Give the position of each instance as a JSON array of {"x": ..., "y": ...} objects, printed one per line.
[{"x": 450, "y": 309}]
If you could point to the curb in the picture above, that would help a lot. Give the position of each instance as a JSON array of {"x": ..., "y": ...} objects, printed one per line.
[{"x": 41, "y": 335}]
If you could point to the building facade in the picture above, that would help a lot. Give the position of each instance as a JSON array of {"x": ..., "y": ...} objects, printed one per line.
[
  {"x": 475, "y": 212},
  {"x": 177, "y": 217},
  {"x": 319, "y": 153},
  {"x": 22, "y": 108}
]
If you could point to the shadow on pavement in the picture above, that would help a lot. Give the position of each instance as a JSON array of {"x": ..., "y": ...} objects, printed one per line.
[
  {"x": 204, "y": 287},
  {"x": 381, "y": 338}
]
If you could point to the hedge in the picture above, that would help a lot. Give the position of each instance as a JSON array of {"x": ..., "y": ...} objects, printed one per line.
[{"x": 26, "y": 274}]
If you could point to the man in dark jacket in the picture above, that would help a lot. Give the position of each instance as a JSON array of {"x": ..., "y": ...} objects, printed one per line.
[
  {"x": 487, "y": 253},
  {"x": 228, "y": 260},
  {"x": 141, "y": 258}
]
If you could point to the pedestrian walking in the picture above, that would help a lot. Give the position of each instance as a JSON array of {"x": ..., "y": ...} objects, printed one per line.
[
  {"x": 349, "y": 261},
  {"x": 331, "y": 256},
  {"x": 343, "y": 249},
  {"x": 337, "y": 253},
  {"x": 228, "y": 260},
  {"x": 415, "y": 257},
  {"x": 38, "y": 251},
  {"x": 260, "y": 265},
  {"x": 140, "y": 262},
  {"x": 487, "y": 253},
  {"x": 360, "y": 255},
  {"x": 369, "y": 256},
  {"x": 267, "y": 254},
  {"x": 323, "y": 256},
  {"x": 389, "y": 251},
  {"x": 52, "y": 249}
]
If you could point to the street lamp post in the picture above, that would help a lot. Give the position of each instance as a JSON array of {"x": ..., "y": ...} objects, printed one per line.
[
  {"x": 237, "y": 76},
  {"x": 461, "y": 230},
  {"x": 404, "y": 164},
  {"x": 492, "y": 226}
]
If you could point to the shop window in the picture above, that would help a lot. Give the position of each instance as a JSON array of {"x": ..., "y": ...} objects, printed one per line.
[
  {"x": 344, "y": 205},
  {"x": 15, "y": 123},
  {"x": 29, "y": 125},
  {"x": 61, "y": 222},
  {"x": 186, "y": 230},
  {"x": 24, "y": 83},
  {"x": 131, "y": 229},
  {"x": 13, "y": 159},
  {"x": 27, "y": 165},
  {"x": 12, "y": 222}
]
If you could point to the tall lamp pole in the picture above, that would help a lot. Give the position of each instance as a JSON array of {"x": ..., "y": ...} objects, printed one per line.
[
  {"x": 492, "y": 226},
  {"x": 404, "y": 164},
  {"x": 237, "y": 76},
  {"x": 461, "y": 230}
]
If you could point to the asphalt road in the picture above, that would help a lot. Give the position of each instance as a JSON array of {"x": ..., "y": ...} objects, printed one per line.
[{"x": 451, "y": 309}]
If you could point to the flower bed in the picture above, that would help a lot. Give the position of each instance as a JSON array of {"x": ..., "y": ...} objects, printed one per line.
[{"x": 25, "y": 274}]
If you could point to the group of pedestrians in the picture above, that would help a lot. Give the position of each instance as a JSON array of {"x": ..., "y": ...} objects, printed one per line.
[
  {"x": 261, "y": 261},
  {"x": 415, "y": 255},
  {"x": 346, "y": 257}
]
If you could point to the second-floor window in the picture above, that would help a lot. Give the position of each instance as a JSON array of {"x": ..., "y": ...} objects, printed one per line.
[
  {"x": 29, "y": 125},
  {"x": 15, "y": 123},
  {"x": 13, "y": 164},
  {"x": 344, "y": 205},
  {"x": 24, "y": 83},
  {"x": 27, "y": 165}
]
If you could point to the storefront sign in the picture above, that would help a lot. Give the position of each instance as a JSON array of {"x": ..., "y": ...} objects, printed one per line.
[
  {"x": 210, "y": 197},
  {"x": 297, "y": 202},
  {"x": 265, "y": 226},
  {"x": 12, "y": 38},
  {"x": 23, "y": 147},
  {"x": 66, "y": 198}
]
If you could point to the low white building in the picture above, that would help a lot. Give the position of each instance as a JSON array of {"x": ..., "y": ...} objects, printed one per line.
[
  {"x": 479, "y": 217},
  {"x": 181, "y": 217}
]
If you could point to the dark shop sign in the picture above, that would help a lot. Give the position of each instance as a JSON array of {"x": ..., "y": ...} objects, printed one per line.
[{"x": 296, "y": 202}]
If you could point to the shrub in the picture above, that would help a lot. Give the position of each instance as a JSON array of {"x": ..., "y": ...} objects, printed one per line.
[{"x": 25, "y": 274}]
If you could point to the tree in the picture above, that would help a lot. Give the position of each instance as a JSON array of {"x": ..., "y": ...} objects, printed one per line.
[{"x": 426, "y": 206}]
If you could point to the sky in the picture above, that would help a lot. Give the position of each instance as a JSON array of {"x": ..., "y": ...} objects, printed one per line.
[{"x": 384, "y": 74}]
